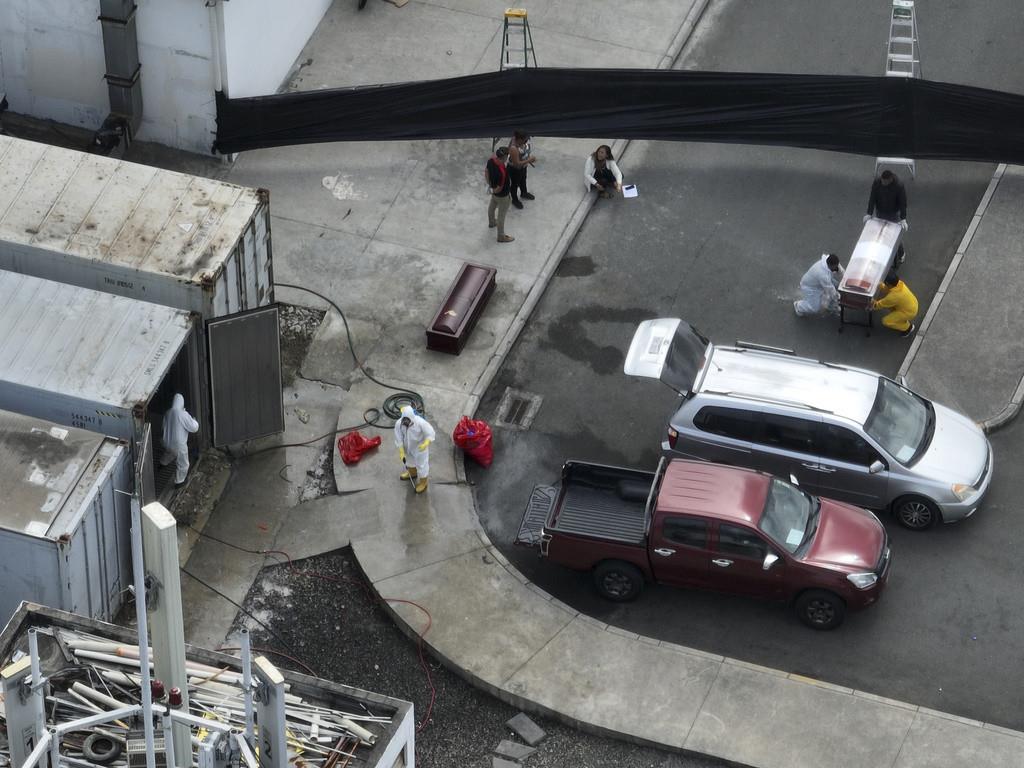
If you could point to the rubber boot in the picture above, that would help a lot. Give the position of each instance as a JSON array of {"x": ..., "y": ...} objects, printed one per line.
[
  {"x": 421, "y": 486},
  {"x": 409, "y": 472}
]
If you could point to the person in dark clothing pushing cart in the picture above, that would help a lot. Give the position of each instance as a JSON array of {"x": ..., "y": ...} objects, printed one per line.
[{"x": 888, "y": 200}]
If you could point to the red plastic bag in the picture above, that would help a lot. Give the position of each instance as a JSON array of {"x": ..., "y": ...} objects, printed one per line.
[
  {"x": 352, "y": 446},
  {"x": 474, "y": 437}
]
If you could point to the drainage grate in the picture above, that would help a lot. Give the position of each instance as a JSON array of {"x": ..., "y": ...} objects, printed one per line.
[{"x": 517, "y": 409}]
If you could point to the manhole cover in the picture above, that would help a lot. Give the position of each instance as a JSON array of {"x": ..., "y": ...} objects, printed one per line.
[{"x": 517, "y": 409}]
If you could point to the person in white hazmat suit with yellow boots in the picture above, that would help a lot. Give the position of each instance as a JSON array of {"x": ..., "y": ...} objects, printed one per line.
[
  {"x": 413, "y": 436},
  {"x": 178, "y": 424}
]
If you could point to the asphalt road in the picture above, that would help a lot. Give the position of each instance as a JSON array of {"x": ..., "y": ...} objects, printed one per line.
[{"x": 720, "y": 236}]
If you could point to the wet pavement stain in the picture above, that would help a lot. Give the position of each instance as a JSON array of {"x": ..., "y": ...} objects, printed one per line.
[
  {"x": 570, "y": 334},
  {"x": 576, "y": 266}
]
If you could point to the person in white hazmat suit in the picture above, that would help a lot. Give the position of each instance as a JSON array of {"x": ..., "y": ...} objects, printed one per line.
[
  {"x": 178, "y": 424},
  {"x": 413, "y": 436},
  {"x": 819, "y": 287}
]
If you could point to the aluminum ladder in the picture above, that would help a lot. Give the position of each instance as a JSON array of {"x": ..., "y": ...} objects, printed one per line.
[
  {"x": 516, "y": 46},
  {"x": 902, "y": 59},
  {"x": 516, "y": 41}
]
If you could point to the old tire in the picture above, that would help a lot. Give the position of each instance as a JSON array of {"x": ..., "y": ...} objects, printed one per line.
[
  {"x": 101, "y": 749},
  {"x": 618, "y": 581},
  {"x": 819, "y": 609},
  {"x": 915, "y": 513}
]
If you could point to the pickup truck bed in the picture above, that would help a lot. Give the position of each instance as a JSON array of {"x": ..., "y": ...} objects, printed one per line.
[
  {"x": 593, "y": 500},
  {"x": 602, "y": 513}
]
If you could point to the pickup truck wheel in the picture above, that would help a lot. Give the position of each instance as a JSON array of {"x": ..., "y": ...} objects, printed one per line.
[
  {"x": 617, "y": 581},
  {"x": 819, "y": 609},
  {"x": 915, "y": 513}
]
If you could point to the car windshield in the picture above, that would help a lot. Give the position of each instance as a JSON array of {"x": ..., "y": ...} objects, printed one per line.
[
  {"x": 789, "y": 517},
  {"x": 899, "y": 421}
]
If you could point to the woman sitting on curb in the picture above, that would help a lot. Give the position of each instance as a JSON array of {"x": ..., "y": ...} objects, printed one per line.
[{"x": 601, "y": 172}]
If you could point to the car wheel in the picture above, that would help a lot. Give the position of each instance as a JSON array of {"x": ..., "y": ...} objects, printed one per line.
[
  {"x": 819, "y": 609},
  {"x": 617, "y": 581},
  {"x": 915, "y": 513}
]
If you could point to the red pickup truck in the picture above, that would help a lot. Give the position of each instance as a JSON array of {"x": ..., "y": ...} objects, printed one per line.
[{"x": 710, "y": 526}]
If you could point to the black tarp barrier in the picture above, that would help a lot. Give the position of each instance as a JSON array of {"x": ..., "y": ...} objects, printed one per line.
[{"x": 877, "y": 116}]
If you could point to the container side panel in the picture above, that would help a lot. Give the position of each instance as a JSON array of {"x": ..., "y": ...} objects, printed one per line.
[
  {"x": 230, "y": 239},
  {"x": 263, "y": 256},
  {"x": 220, "y": 299},
  {"x": 80, "y": 583},
  {"x": 65, "y": 409},
  {"x": 232, "y": 283},
  {"x": 245, "y": 375},
  {"x": 28, "y": 571},
  {"x": 95, "y": 275},
  {"x": 122, "y": 482},
  {"x": 250, "y": 268}
]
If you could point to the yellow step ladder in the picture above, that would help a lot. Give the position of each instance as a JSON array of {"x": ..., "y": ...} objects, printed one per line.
[{"x": 516, "y": 41}]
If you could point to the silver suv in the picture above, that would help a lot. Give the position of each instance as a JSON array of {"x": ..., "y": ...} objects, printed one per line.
[{"x": 844, "y": 433}]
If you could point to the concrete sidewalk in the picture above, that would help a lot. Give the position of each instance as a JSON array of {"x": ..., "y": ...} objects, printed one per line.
[{"x": 382, "y": 229}]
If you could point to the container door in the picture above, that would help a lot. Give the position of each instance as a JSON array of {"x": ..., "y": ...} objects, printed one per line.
[
  {"x": 145, "y": 480},
  {"x": 263, "y": 257},
  {"x": 245, "y": 376}
]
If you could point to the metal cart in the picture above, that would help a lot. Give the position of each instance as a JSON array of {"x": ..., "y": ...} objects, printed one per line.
[{"x": 871, "y": 261}]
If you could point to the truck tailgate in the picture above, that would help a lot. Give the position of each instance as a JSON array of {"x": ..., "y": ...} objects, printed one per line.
[{"x": 538, "y": 510}]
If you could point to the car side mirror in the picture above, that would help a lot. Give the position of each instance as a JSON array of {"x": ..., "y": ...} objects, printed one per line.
[
  {"x": 901, "y": 380},
  {"x": 875, "y": 467},
  {"x": 769, "y": 560}
]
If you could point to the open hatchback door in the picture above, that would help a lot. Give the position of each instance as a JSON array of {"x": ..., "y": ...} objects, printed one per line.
[{"x": 668, "y": 349}]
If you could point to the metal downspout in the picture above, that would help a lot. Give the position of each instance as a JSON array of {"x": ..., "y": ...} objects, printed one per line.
[{"x": 124, "y": 88}]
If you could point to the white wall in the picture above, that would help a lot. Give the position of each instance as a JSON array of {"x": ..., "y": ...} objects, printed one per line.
[
  {"x": 262, "y": 39},
  {"x": 51, "y": 60},
  {"x": 52, "y": 63}
]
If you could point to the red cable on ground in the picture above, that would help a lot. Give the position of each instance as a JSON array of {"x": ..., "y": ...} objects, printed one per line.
[{"x": 423, "y": 661}]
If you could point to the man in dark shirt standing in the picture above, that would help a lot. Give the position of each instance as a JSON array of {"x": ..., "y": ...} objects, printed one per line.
[
  {"x": 498, "y": 181},
  {"x": 888, "y": 201}
]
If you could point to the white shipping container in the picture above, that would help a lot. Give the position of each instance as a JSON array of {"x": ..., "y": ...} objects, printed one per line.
[
  {"x": 64, "y": 521},
  {"x": 87, "y": 359},
  {"x": 183, "y": 241}
]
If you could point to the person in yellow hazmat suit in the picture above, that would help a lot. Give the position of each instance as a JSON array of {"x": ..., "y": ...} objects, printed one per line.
[
  {"x": 901, "y": 303},
  {"x": 413, "y": 436}
]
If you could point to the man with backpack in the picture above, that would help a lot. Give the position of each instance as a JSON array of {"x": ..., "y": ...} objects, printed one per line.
[{"x": 499, "y": 183}]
